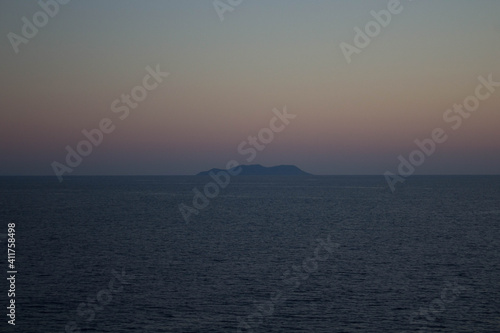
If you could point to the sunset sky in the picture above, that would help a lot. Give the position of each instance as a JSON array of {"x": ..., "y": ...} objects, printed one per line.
[{"x": 225, "y": 78}]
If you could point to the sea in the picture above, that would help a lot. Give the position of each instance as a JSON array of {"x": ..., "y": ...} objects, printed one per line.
[{"x": 257, "y": 254}]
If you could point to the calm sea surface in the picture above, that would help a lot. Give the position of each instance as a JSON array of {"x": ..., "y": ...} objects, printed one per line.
[{"x": 268, "y": 254}]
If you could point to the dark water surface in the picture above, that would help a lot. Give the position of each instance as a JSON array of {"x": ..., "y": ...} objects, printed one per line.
[{"x": 268, "y": 254}]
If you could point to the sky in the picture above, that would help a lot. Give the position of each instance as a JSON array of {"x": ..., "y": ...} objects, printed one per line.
[{"x": 229, "y": 67}]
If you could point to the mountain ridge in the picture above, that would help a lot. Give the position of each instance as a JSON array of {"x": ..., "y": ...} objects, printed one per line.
[{"x": 259, "y": 170}]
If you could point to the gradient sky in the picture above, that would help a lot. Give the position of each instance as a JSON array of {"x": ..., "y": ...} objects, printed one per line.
[{"x": 226, "y": 77}]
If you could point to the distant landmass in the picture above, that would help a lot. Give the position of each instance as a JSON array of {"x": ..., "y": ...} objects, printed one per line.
[{"x": 259, "y": 170}]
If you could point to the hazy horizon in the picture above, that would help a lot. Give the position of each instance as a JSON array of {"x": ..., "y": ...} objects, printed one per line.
[
  {"x": 125, "y": 126},
  {"x": 225, "y": 78}
]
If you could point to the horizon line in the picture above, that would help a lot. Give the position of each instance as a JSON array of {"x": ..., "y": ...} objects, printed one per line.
[{"x": 196, "y": 175}]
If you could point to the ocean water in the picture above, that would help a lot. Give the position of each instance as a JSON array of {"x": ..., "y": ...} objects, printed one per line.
[{"x": 268, "y": 254}]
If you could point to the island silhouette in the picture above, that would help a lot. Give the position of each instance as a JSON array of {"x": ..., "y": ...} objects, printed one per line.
[{"x": 259, "y": 170}]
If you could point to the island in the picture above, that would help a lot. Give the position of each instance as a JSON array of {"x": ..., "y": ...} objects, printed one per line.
[{"x": 259, "y": 170}]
